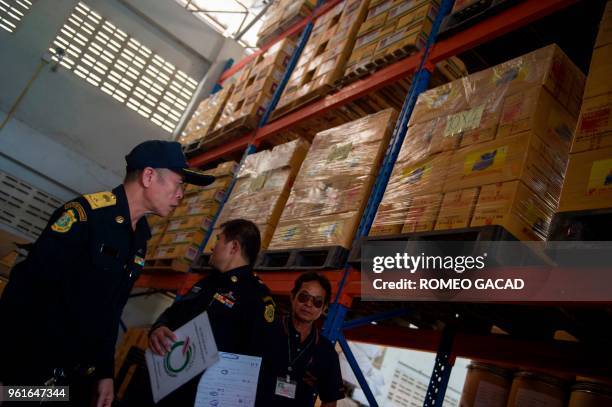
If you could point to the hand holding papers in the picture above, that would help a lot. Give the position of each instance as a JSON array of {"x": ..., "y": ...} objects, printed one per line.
[
  {"x": 232, "y": 381},
  {"x": 194, "y": 350}
]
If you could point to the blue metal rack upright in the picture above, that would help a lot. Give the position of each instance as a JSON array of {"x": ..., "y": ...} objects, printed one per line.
[{"x": 334, "y": 323}]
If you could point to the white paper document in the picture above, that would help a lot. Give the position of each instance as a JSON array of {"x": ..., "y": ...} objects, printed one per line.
[
  {"x": 194, "y": 350},
  {"x": 230, "y": 382}
]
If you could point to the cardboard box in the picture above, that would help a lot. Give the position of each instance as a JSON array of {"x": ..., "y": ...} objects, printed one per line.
[
  {"x": 335, "y": 230},
  {"x": 515, "y": 207},
  {"x": 421, "y": 178},
  {"x": 212, "y": 241},
  {"x": 194, "y": 237},
  {"x": 409, "y": 13},
  {"x": 462, "y": 4},
  {"x": 594, "y": 129},
  {"x": 376, "y": 17},
  {"x": 390, "y": 216},
  {"x": 588, "y": 181},
  {"x": 426, "y": 138},
  {"x": 441, "y": 101},
  {"x": 598, "y": 80},
  {"x": 183, "y": 252},
  {"x": 475, "y": 125},
  {"x": 210, "y": 196},
  {"x": 205, "y": 117},
  {"x": 198, "y": 208},
  {"x": 189, "y": 222},
  {"x": 536, "y": 110},
  {"x": 547, "y": 66},
  {"x": 523, "y": 157},
  {"x": 159, "y": 228},
  {"x": 457, "y": 209},
  {"x": 604, "y": 37},
  {"x": 422, "y": 213}
]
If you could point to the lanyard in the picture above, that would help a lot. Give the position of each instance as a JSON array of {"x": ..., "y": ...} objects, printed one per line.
[{"x": 290, "y": 360}]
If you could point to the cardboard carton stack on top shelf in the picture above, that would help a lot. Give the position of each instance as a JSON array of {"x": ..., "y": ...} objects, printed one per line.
[
  {"x": 204, "y": 118},
  {"x": 588, "y": 181},
  {"x": 489, "y": 149},
  {"x": 176, "y": 240},
  {"x": 253, "y": 90},
  {"x": 392, "y": 29},
  {"x": 324, "y": 57},
  {"x": 334, "y": 183},
  {"x": 262, "y": 188},
  {"x": 280, "y": 16}
]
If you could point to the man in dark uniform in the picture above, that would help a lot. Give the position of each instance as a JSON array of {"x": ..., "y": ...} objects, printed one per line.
[
  {"x": 240, "y": 308},
  {"x": 64, "y": 301},
  {"x": 299, "y": 363}
]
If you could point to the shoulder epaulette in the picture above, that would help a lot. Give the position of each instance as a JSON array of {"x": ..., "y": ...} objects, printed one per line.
[{"x": 101, "y": 199}]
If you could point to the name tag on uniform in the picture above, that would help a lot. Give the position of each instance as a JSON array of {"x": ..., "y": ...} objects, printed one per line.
[{"x": 285, "y": 387}]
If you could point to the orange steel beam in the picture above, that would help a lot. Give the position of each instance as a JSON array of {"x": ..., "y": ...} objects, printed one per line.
[
  {"x": 561, "y": 357},
  {"x": 494, "y": 26},
  {"x": 279, "y": 282},
  {"x": 294, "y": 29},
  {"x": 239, "y": 144}
]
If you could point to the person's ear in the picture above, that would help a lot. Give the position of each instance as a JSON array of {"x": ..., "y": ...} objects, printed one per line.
[
  {"x": 146, "y": 178},
  {"x": 235, "y": 247}
]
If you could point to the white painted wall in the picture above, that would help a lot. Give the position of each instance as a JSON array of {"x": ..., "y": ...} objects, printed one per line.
[{"x": 66, "y": 135}]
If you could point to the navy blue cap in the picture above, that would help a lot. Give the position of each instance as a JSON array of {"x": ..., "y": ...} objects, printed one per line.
[{"x": 165, "y": 154}]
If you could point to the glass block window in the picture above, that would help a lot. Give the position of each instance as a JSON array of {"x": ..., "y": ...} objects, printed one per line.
[
  {"x": 12, "y": 12},
  {"x": 108, "y": 58}
]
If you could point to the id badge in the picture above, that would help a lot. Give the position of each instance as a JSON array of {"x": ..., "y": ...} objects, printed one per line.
[{"x": 285, "y": 387}]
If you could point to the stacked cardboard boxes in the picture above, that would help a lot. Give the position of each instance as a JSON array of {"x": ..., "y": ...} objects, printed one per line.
[
  {"x": 255, "y": 86},
  {"x": 392, "y": 28},
  {"x": 178, "y": 237},
  {"x": 333, "y": 185},
  {"x": 280, "y": 16},
  {"x": 262, "y": 188},
  {"x": 205, "y": 117},
  {"x": 324, "y": 57},
  {"x": 490, "y": 148},
  {"x": 588, "y": 181}
]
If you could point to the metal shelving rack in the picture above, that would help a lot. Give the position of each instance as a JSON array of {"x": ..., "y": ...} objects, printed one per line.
[{"x": 564, "y": 357}]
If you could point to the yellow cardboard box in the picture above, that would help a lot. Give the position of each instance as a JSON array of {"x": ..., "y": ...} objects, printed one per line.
[
  {"x": 523, "y": 157},
  {"x": 184, "y": 252},
  {"x": 194, "y": 237},
  {"x": 408, "y": 13},
  {"x": 189, "y": 222},
  {"x": 422, "y": 213},
  {"x": 594, "y": 129},
  {"x": 598, "y": 81},
  {"x": 588, "y": 181},
  {"x": 390, "y": 215},
  {"x": 604, "y": 36},
  {"x": 536, "y": 110},
  {"x": 209, "y": 196},
  {"x": 457, "y": 209},
  {"x": 159, "y": 227},
  {"x": 335, "y": 230},
  {"x": 440, "y": 101},
  {"x": 376, "y": 17},
  {"x": 424, "y": 177},
  {"x": 209, "y": 208},
  {"x": 515, "y": 207}
]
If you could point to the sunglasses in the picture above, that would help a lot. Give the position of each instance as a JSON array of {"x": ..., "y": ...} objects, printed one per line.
[{"x": 303, "y": 297}]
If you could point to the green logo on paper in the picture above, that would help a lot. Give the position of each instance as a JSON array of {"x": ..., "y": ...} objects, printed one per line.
[{"x": 178, "y": 359}]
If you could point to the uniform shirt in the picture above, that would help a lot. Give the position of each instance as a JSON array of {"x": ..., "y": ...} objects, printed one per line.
[
  {"x": 315, "y": 368},
  {"x": 241, "y": 313},
  {"x": 64, "y": 301}
]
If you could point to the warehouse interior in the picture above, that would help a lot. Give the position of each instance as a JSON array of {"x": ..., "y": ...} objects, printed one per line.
[{"x": 336, "y": 126}]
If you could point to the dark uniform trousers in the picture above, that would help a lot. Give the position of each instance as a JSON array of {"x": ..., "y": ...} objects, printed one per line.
[
  {"x": 315, "y": 368},
  {"x": 241, "y": 313},
  {"x": 64, "y": 301}
]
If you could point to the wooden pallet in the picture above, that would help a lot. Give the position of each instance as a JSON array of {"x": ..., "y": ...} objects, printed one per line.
[
  {"x": 482, "y": 233},
  {"x": 174, "y": 265},
  {"x": 228, "y": 132},
  {"x": 594, "y": 225},
  {"x": 312, "y": 258},
  {"x": 364, "y": 69},
  {"x": 311, "y": 96}
]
